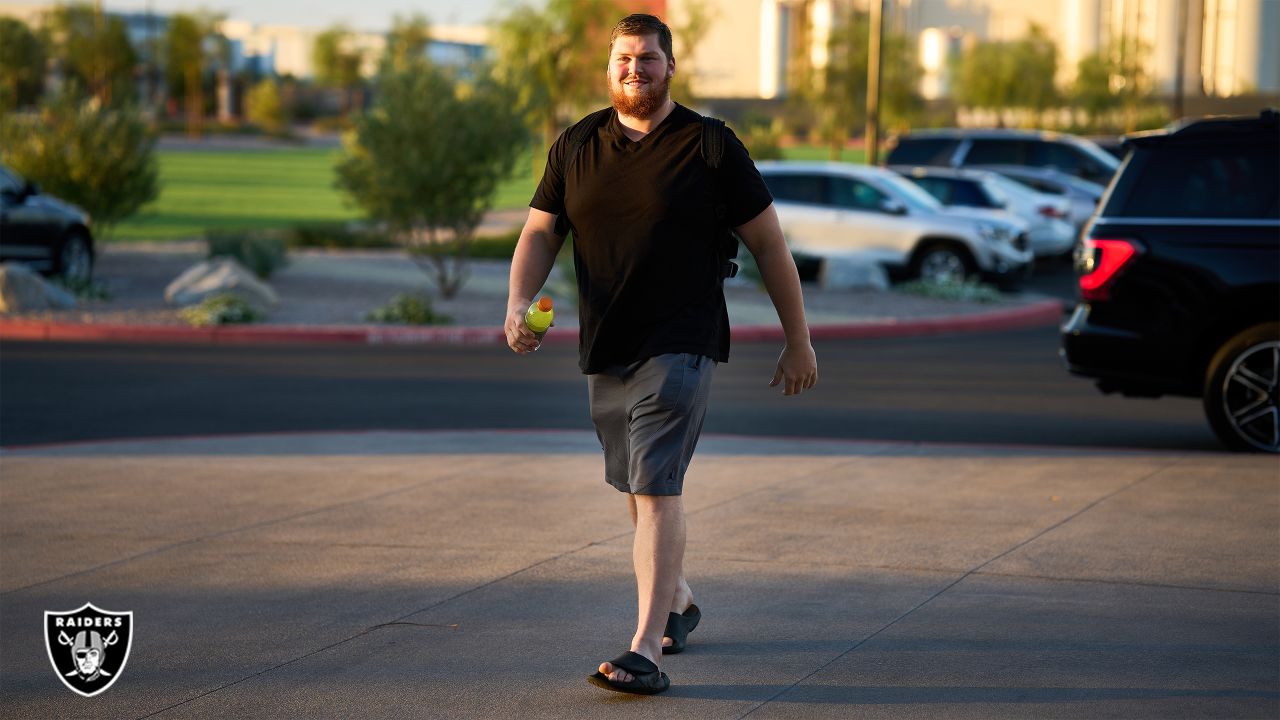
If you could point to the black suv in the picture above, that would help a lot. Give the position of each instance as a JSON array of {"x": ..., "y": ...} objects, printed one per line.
[
  {"x": 50, "y": 235},
  {"x": 957, "y": 147},
  {"x": 1180, "y": 276}
]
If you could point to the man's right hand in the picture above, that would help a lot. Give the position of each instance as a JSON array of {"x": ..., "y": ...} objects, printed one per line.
[{"x": 519, "y": 337}]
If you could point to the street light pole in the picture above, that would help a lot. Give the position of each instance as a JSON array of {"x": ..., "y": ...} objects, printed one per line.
[{"x": 873, "y": 83}]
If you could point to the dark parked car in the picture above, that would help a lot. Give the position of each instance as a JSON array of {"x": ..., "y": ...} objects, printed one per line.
[
  {"x": 1032, "y": 148},
  {"x": 50, "y": 235},
  {"x": 1180, "y": 276}
]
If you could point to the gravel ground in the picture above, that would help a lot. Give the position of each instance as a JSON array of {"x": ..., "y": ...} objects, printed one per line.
[{"x": 338, "y": 287}]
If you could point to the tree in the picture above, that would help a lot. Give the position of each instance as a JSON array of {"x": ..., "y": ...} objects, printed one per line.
[
  {"x": 839, "y": 93},
  {"x": 92, "y": 50},
  {"x": 426, "y": 161},
  {"x": 1000, "y": 75},
  {"x": 556, "y": 59},
  {"x": 97, "y": 156},
  {"x": 1113, "y": 79},
  {"x": 191, "y": 47},
  {"x": 688, "y": 35},
  {"x": 406, "y": 43},
  {"x": 265, "y": 108},
  {"x": 22, "y": 64},
  {"x": 337, "y": 63}
]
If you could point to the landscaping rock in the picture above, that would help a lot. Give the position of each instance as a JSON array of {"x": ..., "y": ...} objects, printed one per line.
[
  {"x": 852, "y": 272},
  {"x": 217, "y": 277},
  {"x": 23, "y": 289}
]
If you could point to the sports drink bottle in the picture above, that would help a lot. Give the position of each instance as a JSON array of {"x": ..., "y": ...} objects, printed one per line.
[{"x": 539, "y": 316}]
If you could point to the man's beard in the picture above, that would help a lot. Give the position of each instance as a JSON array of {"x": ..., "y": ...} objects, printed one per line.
[{"x": 643, "y": 104}]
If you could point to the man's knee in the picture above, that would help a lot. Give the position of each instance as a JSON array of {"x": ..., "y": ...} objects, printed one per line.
[{"x": 657, "y": 504}]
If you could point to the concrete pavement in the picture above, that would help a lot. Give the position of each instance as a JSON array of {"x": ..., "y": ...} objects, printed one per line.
[{"x": 485, "y": 574}]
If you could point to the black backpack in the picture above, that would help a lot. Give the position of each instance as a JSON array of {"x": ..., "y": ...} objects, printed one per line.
[{"x": 712, "y": 153}]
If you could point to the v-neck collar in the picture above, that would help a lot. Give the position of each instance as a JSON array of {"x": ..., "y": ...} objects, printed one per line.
[{"x": 620, "y": 131}]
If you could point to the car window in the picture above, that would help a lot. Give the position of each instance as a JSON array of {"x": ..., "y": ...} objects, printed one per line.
[
  {"x": 937, "y": 187},
  {"x": 856, "y": 195},
  {"x": 969, "y": 194},
  {"x": 990, "y": 151},
  {"x": 1055, "y": 155},
  {"x": 1236, "y": 180},
  {"x": 797, "y": 187},
  {"x": 923, "y": 151},
  {"x": 907, "y": 192},
  {"x": 1079, "y": 160},
  {"x": 1038, "y": 185},
  {"x": 1010, "y": 183}
]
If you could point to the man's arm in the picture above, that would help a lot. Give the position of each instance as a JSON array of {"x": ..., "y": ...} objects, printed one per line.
[
  {"x": 798, "y": 364},
  {"x": 535, "y": 255}
]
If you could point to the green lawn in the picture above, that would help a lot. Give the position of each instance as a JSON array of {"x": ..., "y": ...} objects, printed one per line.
[{"x": 229, "y": 190}]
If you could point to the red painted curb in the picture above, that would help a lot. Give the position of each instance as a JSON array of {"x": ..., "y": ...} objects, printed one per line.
[{"x": 1042, "y": 313}]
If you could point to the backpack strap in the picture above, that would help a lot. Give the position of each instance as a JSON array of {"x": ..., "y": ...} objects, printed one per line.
[
  {"x": 713, "y": 132},
  {"x": 712, "y": 141},
  {"x": 579, "y": 135}
]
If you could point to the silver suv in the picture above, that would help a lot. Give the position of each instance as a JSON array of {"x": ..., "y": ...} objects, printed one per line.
[
  {"x": 1033, "y": 148},
  {"x": 833, "y": 210}
]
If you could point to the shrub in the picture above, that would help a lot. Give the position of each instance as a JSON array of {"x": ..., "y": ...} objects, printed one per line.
[
  {"x": 85, "y": 289},
  {"x": 98, "y": 157},
  {"x": 265, "y": 108},
  {"x": 408, "y": 309},
  {"x": 763, "y": 137},
  {"x": 968, "y": 291},
  {"x": 224, "y": 309},
  {"x": 261, "y": 253},
  {"x": 335, "y": 236}
]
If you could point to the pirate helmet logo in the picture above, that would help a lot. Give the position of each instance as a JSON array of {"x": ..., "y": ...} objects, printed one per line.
[{"x": 88, "y": 646}]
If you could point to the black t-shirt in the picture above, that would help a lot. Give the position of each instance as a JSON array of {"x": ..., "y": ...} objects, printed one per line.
[{"x": 646, "y": 237}]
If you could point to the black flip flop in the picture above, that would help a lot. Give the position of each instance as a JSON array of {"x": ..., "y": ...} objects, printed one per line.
[
  {"x": 678, "y": 628},
  {"x": 646, "y": 678}
]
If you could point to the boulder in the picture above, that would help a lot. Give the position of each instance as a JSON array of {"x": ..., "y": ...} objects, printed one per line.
[
  {"x": 852, "y": 272},
  {"x": 23, "y": 289},
  {"x": 216, "y": 277}
]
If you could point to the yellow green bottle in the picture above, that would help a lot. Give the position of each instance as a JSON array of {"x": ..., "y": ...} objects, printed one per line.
[{"x": 539, "y": 316}]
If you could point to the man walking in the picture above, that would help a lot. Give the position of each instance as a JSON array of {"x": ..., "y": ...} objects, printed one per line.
[{"x": 649, "y": 214}]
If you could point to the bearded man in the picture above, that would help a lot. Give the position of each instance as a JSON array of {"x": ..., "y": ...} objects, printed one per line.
[{"x": 649, "y": 215}]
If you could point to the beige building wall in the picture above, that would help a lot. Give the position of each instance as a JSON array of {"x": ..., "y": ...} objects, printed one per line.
[{"x": 728, "y": 61}]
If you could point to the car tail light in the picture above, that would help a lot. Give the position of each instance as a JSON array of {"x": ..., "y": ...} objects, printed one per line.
[
  {"x": 1100, "y": 262},
  {"x": 1052, "y": 212}
]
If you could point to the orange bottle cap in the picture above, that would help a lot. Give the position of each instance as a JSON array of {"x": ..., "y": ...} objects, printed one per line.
[{"x": 544, "y": 304}]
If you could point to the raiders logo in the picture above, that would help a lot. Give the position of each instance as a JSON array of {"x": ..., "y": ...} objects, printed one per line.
[{"x": 88, "y": 646}]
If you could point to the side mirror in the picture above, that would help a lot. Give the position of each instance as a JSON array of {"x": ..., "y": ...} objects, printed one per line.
[{"x": 893, "y": 207}]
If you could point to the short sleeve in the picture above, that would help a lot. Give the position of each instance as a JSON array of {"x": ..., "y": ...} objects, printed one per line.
[
  {"x": 549, "y": 197},
  {"x": 746, "y": 195}
]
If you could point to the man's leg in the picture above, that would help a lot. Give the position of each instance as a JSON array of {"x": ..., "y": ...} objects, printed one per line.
[
  {"x": 683, "y": 596},
  {"x": 657, "y": 554}
]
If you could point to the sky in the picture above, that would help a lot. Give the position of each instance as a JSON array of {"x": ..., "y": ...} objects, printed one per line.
[{"x": 370, "y": 15}]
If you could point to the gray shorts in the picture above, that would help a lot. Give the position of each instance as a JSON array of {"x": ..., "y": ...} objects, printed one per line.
[{"x": 648, "y": 416}]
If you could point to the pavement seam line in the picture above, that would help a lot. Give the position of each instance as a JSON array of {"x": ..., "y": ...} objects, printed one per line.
[
  {"x": 401, "y": 620},
  {"x": 1134, "y": 583},
  {"x": 944, "y": 571},
  {"x": 962, "y": 578},
  {"x": 222, "y": 533}
]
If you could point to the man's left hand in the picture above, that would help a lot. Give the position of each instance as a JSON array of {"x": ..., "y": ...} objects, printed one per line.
[{"x": 797, "y": 369}]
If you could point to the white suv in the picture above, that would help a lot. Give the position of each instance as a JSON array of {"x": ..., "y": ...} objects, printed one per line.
[{"x": 838, "y": 209}]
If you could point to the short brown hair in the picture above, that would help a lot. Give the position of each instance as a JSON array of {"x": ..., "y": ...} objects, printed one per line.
[{"x": 640, "y": 24}]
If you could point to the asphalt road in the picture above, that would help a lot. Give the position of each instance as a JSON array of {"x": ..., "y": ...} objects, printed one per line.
[{"x": 1003, "y": 388}]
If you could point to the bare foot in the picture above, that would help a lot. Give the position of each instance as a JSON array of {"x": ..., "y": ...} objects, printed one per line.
[
  {"x": 681, "y": 602},
  {"x": 622, "y": 676}
]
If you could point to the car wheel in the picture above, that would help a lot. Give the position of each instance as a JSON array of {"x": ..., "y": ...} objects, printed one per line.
[
  {"x": 942, "y": 263},
  {"x": 75, "y": 258},
  {"x": 1240, "y": 398}
]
